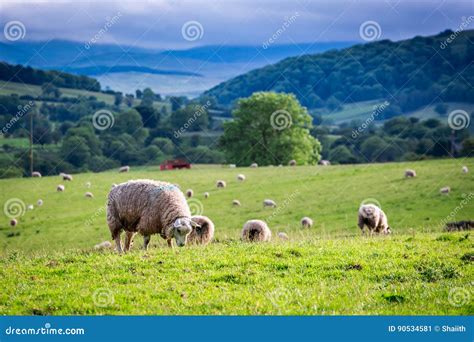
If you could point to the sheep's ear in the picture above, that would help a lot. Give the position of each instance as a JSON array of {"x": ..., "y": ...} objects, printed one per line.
[
  {"x": 177, "y": 223},
  {"x": 195, "y": 225}
]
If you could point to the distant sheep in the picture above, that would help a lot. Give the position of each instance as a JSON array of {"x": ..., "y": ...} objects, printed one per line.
[
  {"x": 89, "y": 194},
  {"x": 374, "y": 218},
  {"x": 465, "y": 169},
  {"x": 283, "y": 236},
  {"x": 148, "y": 207},
  {"x": 39, "y": 203},
  {"x": 203, "y": 231},
  {"x": 269, "y": 203},
  {"x": 410, "y": 173},
  {"x": 324, "y": 162},
  {"x": 103, "y": 245},
  {"x": 241, "y": 177},
  {"x": 189, "y": 193},
  {"x": 459, "y": 226},
  {"x": 31, "y": 207},
  {"x": 221, "y": 184},
  {"x": 306, "y": 222},
  {"x": 13, "y": 222},
  {"x": 60, "y": 188},
  {"x": 256, "y": 230},
  {"x": 254, "y": 165},
  {"x": 124, "y": 169},
  {"x": 36, "y": 174},
  {"x": 206, "y": 195},
  {"x": 446, "y": 190},
  {"x": 232, "y": 166},
  {"x": 67, "y": 177},
  {"x": 292, "y": 162},
  {"x": 88, "y": 185},
  {"x": 236, "y": 203}
]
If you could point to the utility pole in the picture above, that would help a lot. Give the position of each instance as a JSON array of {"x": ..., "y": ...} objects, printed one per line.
[{"x": 31, "y": 142}]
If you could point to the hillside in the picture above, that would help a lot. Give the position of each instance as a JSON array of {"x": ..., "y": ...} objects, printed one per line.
[
  {"x": 328, "y": 269},
  {"x": 409, "y": 74}
]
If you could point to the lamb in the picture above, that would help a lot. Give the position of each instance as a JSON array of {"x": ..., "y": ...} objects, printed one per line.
[
  {"x": 410, "y": 173},
  {"x": 203, "y": 232},
  {"x": 221, "y": 184},
  {"x": 39, "y": 203},
  {"x": 124, "y": 169},
  {"x": 60, "y": 188},
  {"x": 254, "y": 165},
  {"x": 324, "y": 162},
  {"x": 446, "y": 190},
  {"x": 36, "y": 174},
  {"x": 206, "y": 195},
  {"x": 103, "y": 245},
  {"x": 269, "y": 203},
  {"x": 89, "y": 194},
  {"x": 148, "y": 207},
  {"x": 292, "y": 162},
  {"x": 241, "y": 177},
  {"x": 67, "y": 177},
  {"x": 306, "y": 222},
  {"x": 13, "y": 222},
  {"x": 283, "y": 236},
  {"x": 189, "y": 193},
  {"x": 256, "y": 230},
  {"x": 465, "y": 169},
  {"x": 374, "y": 218},
  {"x": 236, "y": 203}
]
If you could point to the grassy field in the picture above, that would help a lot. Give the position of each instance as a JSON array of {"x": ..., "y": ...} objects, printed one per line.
[{"x": 49, "y": 265}]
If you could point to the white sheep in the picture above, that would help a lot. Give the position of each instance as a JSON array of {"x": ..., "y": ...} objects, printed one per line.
[
  {"x": 410, "y": 173},
  {"x": 31, "y": 207},
  {"x": 292, "y": 162},
  {"x": 13, "y": 222},
  {"x": 232, "y": 166},
  {"x": 221, "y": 184},
  {"x": 36, "y": 174},
  {"x": 60, "y": 188},
  {"x": 39, "y": 203},
  {"x": 206, "y": 195},
  {"x": 256, "y": 230},
  {"x": 124, "y": 169},
  {"x": 67, "y": 177},
  {"x": 445, "y": 190},
  {"x": 203, "y": 231},
  {"x": 88, "y": 185},
  {"x": 324, "y": 162},
  {"x": 236, "y": 203},
  {"x": 306, "y": 222},
  {"x": 269, "y": 203},
  {"x": 283, "y": 236},
  {"x": 374, "y": 218},
  {"x": 89, "y": 194},
  {"x": 240, "y": 177},
  {"x": 189, "y": 193},
  {"x": 254, "y": 165},
  {"x": 465, "y": 169},
  {"x": 103, "y": 245}
]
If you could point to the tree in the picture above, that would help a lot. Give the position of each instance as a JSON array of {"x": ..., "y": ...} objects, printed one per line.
[
  {"x": 118, "y": 97},
  {"x": 148, "y": 97},
  {"x": 270, "y": 128},
  {"x": 193, "y": 117},
  {"x": 150, "y": 116},
  {"x": 49, "y": 90},
  {"x": 138, "y": 93}
]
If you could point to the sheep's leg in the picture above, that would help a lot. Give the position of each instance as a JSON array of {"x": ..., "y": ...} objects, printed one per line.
[
  {"x": 118, "y": 243},
  {"x": 128, "y": 240},
  {"x": 170, "y": 243},
  {"x": 146, "y": 241}
]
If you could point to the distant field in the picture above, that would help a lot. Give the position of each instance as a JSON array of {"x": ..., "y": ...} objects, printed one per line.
[{"x": 48, "y": 264}]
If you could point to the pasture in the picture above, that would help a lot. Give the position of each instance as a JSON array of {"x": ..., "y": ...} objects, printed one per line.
[{"x": 49, "y": 265}]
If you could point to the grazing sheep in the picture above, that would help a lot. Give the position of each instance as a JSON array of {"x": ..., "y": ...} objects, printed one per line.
[
  {"x": 465, "y": 169},
  {"x": 254, "y": 165},
  {"x": 221, "y": 184},
  {"x": 203, "y": 232},
  {"x": 306, "y": 222},
  {"x": 232, "y": 166},
  {"x": 446, "y": 190},
  {"x": 36, "y": 174},
  {"x": 88, "y": 185},
  {"x": 241, "y": 177},
  {"x": 148, "y": 207},
  {"x": 89, "y": 194},
  {"x": 236, "y": 203},
  {"x": 61, "y": 174},
  {"x": 459, "y": 226},
  {"x": 13, "y": 222},
  {"x": 410, "y": 173},
  {"x": 292, "y": 162},
  {"x": 374, "y": 218},
  {"x": 283, "y": 236},
  {"x": 256, "y": 230},
  {"x": 269, "y": 203},
  {"x": 103, "y": 245},
  {"x": 124, "y": 169},
  {"x": 189, "y": 193},
  {"x": 206, "y": 195},
  {"x": 39, "y": 203},
  {"x": 324, "y": 162},
  {"x": 31, "y": 207},
  {"x": 67, "y": 177},
  {"x": 60, "y": 188}
]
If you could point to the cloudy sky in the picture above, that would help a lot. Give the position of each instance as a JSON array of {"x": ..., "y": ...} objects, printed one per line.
[{"x": 159, "y": 24}]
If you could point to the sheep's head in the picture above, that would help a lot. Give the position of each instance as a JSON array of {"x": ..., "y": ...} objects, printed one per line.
[{"x": 181, "y": 229}]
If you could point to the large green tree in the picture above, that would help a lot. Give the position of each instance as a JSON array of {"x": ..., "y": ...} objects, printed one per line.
[{"x": 270, "y": 129}]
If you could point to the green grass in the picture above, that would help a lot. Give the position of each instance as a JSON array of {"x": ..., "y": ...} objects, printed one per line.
[{"x": 49, "y": 265}]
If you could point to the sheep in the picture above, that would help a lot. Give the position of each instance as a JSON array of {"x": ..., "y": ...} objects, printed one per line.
[
  {"x": 254, "y": 165},
  {"x": 67, "y": 177},
  {"x": 232, "y": 166},
  {"x": 103, "y": 245},
  {"x": 124, "y": 169},
  {"x": 89, "y": 194},
  {"x": 203, "y": 232},
  {"x": 241, "y": 177},
  {"x": 60, "y": 188},
  {"x": 39, "y": 203},
  {"x": 256, "y": 230},
  {"x": 189, "y": 193},
  {"x": 269, "y": 203},
  {"x": 13, "y": 222},
  {"x": 236, "y": 203},
  {"x": 306, "y": 222},
  {"x": 459, "y": 226},
  {"x": 114, "y": 185},
  {"x": 410, "y": 173},
  {"x": 374, "y": 218},
  {"x": 31, "y": 207},
  {"x": 446, "y": 190},
  {"x": 324, "y": 162},
  {"x": 36, "y": 174},
  {"x": 88, "y": 185},
  {"x": 148, "y": 207},
  {"x": 221, "y": 184},
  {"x": 292, "y": 162},
  {"x": 206, "y": 195},
  {"x": 283, "y": 236},
  {"x": 465, "y": 169}
]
